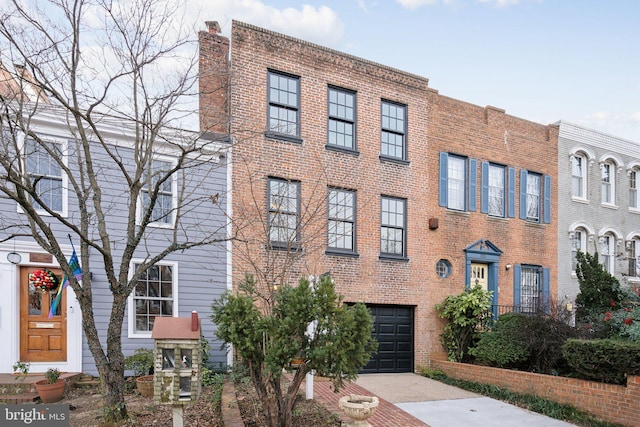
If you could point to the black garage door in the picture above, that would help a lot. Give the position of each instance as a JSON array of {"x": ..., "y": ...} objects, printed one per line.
[{"x": 393, "y": 329}]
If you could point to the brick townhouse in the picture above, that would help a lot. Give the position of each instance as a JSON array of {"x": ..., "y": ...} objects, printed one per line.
[{"x": 361, "y": 170}]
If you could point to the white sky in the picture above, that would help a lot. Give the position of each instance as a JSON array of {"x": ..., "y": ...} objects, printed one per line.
[{"x": 541, "y": 60}]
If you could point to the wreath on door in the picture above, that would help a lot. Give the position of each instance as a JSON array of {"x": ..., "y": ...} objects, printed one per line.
[{"x": 44, "y": 280}]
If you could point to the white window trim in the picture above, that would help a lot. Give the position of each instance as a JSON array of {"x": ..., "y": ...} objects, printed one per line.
[
  {"x": 64, "y": 149},
  {"x": 633, "y": 238},
  {"x": 174, "y": 197},
  {"x": 634, "y": 167},
  {"x": 131, "y": 313},
  {"x": 616, "y": 167},
  {"x": 585, "y": 175},
  {"x": 583, "y": 244}
]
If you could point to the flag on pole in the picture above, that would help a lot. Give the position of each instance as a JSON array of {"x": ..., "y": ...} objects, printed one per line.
[{"x": 74, "y": 265}]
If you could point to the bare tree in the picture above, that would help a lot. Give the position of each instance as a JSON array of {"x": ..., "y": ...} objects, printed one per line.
[{"x": 121, "y": 79}]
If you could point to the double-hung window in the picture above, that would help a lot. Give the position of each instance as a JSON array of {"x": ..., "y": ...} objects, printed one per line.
[
  {"x": 393, "y": 143},
  {"x": 535, "y": 197},
  {"x": 456, "y": 182},
  {"x": 633, "y": 189},
  {"x": 342, "y": 119},
  {"x": 607, "y": 252},
  {"x": 496, "y": 193},
  {"x": 498, "y": 190},
  {"x": 284, "y": 213},
  {"x": 161, "y": 188},
  {"x": 341, "y": 226},
  {"x": 43, "y": 165},
  {"x": 393, "y": 229},
  {"x": 608, "y": 183},
  {"x": 457, "y": 188},
  {"x": 154, "y": 296},
  {"x": 634, "y": 258},
  {"x": 578, "y": 177},
  {"x": 578, "y": 243},
  {"x": 284, "y": 105}
]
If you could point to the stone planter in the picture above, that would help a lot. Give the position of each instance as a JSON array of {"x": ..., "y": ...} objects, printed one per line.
[
  {"x": 358, "y": 408},
  {"x": 144, "y": 384},
  {"x": 50, "y": 392}
]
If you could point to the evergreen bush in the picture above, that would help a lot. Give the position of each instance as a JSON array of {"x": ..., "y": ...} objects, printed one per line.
[{"x": 606, "y": 360}]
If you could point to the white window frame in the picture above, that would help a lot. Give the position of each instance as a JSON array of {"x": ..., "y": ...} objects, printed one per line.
[
  {"x": 607, "y": 252},
  {"x": 634, "y": 193},
  {"x": 22, "y": 143},
  {"x": 496, "y": 194},
  {"x": 534, "y": 197},
  {"x": 634, "y": 257},
  {"x": 131, "y": 320},
  {"x": 174, "y": 196},
  {"x": 456, "y": 184},
  {"x": 578, "y": 242},
  {"x": 579, "y": 180}
]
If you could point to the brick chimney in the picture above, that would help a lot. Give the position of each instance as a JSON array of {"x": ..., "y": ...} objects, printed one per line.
[{"x": 214, "y": 79}]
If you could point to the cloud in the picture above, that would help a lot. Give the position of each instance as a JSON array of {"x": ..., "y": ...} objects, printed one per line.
[
  {"x": 414, "y": 4},
  {"x": 622, "y": 125},
  {"x": 505, "y": 3},
  {"x": 316, "y": 24}
]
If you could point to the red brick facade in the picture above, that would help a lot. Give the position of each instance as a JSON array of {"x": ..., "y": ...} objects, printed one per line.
[{"x": 435, "y": 124}]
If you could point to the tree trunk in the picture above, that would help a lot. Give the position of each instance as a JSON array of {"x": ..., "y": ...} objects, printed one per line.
[{"x": 110, "y": 365}]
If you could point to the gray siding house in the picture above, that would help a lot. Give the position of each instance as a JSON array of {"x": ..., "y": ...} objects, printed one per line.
[
  {"x": 598, "y": 205},
  {"x": 181, "y": 283}
]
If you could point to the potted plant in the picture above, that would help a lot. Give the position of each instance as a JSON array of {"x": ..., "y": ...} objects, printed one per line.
[
  {"x": 51, "y": 388},
  {"x": 359, "y": 408},
  {"x": 141, "y": 362}
]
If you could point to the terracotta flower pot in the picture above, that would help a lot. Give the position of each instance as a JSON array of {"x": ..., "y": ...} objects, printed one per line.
[
  {"x": 144, "y": 384},
  {"x": 50, "y": 392}
]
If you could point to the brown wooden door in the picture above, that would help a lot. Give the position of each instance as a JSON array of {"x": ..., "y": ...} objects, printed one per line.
[{"x": 41, "y": 339}]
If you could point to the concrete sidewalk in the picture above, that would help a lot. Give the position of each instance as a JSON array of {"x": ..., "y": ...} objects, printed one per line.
[{"x": 442, "y": 405}]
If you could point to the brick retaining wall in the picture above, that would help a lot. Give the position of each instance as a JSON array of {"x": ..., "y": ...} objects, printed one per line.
[{"x": 613, "y": 403}]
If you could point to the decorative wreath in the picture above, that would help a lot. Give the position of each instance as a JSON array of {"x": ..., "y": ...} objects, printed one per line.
[{"x": 44, "y": 280}]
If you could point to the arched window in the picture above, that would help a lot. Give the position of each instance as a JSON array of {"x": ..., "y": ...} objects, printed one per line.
[
  {"x": 579, "y": 176},
  {"x": 607, "y": 252},
  {"x": 608, "y": 182},
  {"x": 633, "y": 189},
  {"x": 578, "y": 243},
  {"x": 633, "y": 247}
]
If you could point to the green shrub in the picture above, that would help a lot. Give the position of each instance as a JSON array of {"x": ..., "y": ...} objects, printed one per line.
[
  {"x": 466, "y": 315},
  {"x": 532, "y": 343},
  {"x": 605, "y": 360},
  {"x": 503, "y": 346},
  {"x": 599, "y": 292},
  {"x": 141, "y": 362}
]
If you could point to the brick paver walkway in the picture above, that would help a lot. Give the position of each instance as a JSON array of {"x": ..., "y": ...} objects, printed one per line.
[{"x": 387, "y": 414}]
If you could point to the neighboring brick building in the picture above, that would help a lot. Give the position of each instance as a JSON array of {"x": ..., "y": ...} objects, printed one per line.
[
  {"x": 599, "y": 208},
  {"x": 405, "y": 196}
]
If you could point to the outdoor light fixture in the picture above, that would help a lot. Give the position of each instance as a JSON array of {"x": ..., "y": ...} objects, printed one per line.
[
  {"x": 14, "y": 257},
  {"x": 508, "y": 267}
]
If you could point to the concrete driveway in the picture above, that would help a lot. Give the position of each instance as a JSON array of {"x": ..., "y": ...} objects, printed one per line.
[{"x": 442, "y": 405}]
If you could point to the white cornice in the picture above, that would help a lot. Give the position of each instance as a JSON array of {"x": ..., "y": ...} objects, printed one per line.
[{"x": 599, "y": 139}]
